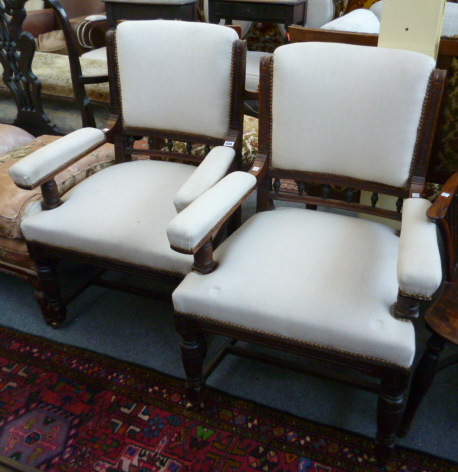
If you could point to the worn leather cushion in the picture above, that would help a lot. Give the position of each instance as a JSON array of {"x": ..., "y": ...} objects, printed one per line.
[
  {"x": 316, "y": 277},
  {"x": 120, "y": 213},
  {"x": 11, "y": 137},
  {"x": 15, "y": 202}
]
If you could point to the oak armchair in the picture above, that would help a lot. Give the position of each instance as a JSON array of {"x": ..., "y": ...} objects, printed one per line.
[
  {"x": 349, "y": 287},
  {"x": 179, "y": 90}
]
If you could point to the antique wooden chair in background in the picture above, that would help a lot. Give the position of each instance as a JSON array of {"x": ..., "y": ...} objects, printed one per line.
[
  {"x": 180, "y": 90},
  {"x": 349, "y": 287}
]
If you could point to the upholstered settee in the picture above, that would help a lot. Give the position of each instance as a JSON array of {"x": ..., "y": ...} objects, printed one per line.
[{"x": 15, "y": 203}]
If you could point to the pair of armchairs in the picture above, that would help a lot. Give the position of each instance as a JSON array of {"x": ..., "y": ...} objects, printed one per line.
[{"x": 333, "y": 287}]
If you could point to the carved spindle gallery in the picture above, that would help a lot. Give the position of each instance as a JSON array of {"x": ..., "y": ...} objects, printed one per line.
[
  {"x": 301, "y": 188},
  {"x": 189, "y": 148},
  {"x": 350, "y": 194},
  {"x": 277, "y": 183},
  {"x": 170, "y": 144},
  {"x": 374, "y": 199},
  {"x": 326, "y": 191},
  {"x": 399, "y": 203}
]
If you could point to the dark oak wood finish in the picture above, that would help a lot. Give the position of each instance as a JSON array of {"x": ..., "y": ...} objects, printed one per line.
[
  {"x": 17, "y": 49},
  {"x": 255, "y": 10},
  {"x": 118, "y": 11},
  {"x": 49, "y": 295},
  {"x": 448, "y": 50},
  {"x": 391, "y": 380}
]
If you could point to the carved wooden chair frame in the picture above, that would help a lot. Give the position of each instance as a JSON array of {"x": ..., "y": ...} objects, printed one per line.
[
  {"x": 52, "y": 302},
  {"x": 17, "y": 49},
  {"x": 393, "y": 380}
]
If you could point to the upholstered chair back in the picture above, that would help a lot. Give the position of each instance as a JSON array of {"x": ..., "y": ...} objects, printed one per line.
[
  {"x": 192, "y": 92},
  {"x": 346, "y": 118}
]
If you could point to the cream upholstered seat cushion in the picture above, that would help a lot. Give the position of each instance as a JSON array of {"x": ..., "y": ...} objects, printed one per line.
[
  {"x": 120, "y": 213},
  {"x": 379, "y": 149},
  {"x": 310, "y": 276}
]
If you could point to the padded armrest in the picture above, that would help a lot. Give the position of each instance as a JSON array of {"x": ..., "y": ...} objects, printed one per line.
[
  {"x": 42, "y": 165},
  {"x": 419, "y": 262},
  {"x": 211, "y": 170},
  {"x": 190, "y": 228}
]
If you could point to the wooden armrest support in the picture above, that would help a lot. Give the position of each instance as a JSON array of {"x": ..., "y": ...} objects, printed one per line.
[
  {"x": 444, "y": 211},
  {"x": 259, "y": 167}
]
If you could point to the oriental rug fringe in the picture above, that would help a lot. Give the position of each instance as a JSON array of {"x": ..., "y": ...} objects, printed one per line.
[{"x": 67, "y": 409}]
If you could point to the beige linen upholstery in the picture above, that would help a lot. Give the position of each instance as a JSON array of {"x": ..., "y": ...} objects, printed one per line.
[
  {"x": 199, "y": 106},
  {"x": 212, "y": 169},
  {"x": 35, "y": 168},
  {"x": 97, "y": 54},
  {"x": 358, "y": 148},
  {"x": 202, "y": 217},
  {"x": 419, "y": 265},
  {"x": 90, "y": 222},
  {"x": 333, "y": 302},
  {"x": 358, "y": 21}
]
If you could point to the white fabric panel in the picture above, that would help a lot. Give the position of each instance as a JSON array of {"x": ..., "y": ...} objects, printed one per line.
[
  {"x": 358, "y": 21},
  {"x": 419, "y": 264},
  {"x": 450, "y": 27},
  {"x": 319, "y": 12},
  {"x": 196, "y": 221},
  {"x": 36, "y": 166},
  {"x": 182, "y": 83},
  {"x": 212, "y": 169},
  {"x": 316, "y": 277},
  {"x": 376, "y": 9},
  {"x": 121, "y": 212},
  {"x": 253, "y": 59},
  {"x": 336, "y": 109},
  {"x": 99, "y": 54}
]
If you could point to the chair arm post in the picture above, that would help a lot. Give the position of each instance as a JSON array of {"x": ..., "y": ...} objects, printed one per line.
[
  {"x": 203, "y": 259},
  {"x": 50, "y": 194},
  {"x": 405, "y": 308},
  {"x": 444, "y": 212}
]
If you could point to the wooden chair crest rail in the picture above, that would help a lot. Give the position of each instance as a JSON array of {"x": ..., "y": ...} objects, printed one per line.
[
  {"x": 183, "y": 91},
  {"x": 339, "y": 299}
]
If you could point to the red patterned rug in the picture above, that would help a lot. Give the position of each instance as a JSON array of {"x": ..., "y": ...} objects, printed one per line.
[{"x": 66, "y": 409}]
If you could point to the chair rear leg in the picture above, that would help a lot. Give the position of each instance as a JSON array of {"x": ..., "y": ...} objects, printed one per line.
[
  {"x": 193, "y": 352},
  {"x": 389, "y": 412},
  {"x": 47, "y": 293},
  {"x": 421, "y": 381}
]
